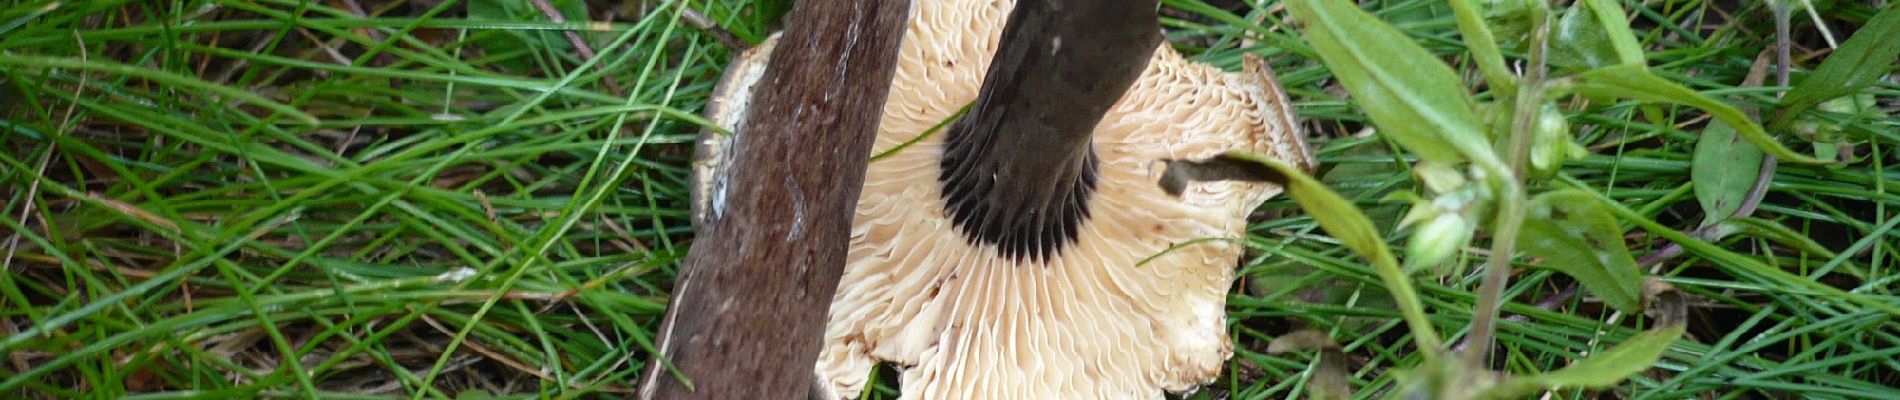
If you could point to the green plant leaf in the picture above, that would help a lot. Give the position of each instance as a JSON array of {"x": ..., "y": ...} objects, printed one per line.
[
  {"x": 1636, "y": 83},
  {"x": 1736, "y": 264},
  {"x": 1782, "y": 235},
  {"x": 1576, "y": 236},
  {"x": 1861, "y": 61},
  {"x": 1616, "y": 26},
  {"x": 1484, "y": 45},
  {"x": 1344, "y": 221},
  {"x": 1594, "y": 34},
  {"x": 1601, "y": 370},
  {"x": 1443, "y": 378},
  {"x": 1579, "y": 42},
  {"x": 1411, "y": 96},
  {"x": 1723, "y": 171}
]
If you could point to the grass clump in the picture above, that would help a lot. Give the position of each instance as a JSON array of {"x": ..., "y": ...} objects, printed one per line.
[
  {"x": 422, "y": 198},
  {"x": 282, "y": 198}
]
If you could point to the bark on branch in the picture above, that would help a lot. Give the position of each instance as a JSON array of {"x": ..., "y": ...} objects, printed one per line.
[{"x": 748, "y": 309}]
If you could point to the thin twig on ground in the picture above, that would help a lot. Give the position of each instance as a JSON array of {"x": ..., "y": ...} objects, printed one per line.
[
  {"x": 581, "y": 49},
  {"x": 697, "y": 20}
]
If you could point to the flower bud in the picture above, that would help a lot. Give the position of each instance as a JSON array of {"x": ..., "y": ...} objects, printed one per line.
[
  {"x": 1550, "y": 142},
  {"x": 1438, "y": 239},
  {"x": 1439, "y": 178}
]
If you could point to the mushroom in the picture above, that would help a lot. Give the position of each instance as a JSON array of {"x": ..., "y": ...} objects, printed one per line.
[{"x": 991, "y": 268}]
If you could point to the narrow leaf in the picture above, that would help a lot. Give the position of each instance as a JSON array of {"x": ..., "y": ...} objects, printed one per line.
[
  {"x": 1484, "y": 46},
  {"x": 1739, "y": 265},
  {"x": 187, "y": 84},
  {"x": 16, "y": 22},
  {"x": 1862, "y": 61},
  {"x": 1576, "y": 236},
  {"x": 1635, "y": 82},
  {"x": 1412, "y": 96},
  {"x": 1616, "y": 26},
  {"x": 1724, "y": 170},
  {"x": 1344, "y": 221},
  {"x": 1782, "y": 235},
  {"x": 1601, "y": 370}
]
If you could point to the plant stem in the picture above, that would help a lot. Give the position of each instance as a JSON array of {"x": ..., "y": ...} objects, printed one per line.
[{"x": 1512, "y": 199}]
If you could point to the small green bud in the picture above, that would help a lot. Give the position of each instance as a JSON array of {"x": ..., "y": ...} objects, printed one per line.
[
  {"x": 1550, "y": 142},
  {"x": 1443, "y": 224},
  {"x": 1438, "y": 239},
  {"x": 1439, "y": 178}
]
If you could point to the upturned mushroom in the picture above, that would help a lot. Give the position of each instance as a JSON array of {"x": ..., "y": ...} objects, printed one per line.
[{"x": 1029, "y": 251}]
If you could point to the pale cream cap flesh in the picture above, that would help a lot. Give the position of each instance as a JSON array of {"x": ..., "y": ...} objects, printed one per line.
[{"x": 963, "y": 321}]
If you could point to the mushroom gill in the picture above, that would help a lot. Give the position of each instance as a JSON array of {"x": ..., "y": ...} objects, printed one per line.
[{"x": 1125, "y": 301}]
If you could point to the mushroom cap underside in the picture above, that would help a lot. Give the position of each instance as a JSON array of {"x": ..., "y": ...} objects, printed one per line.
[{"x": 1134, "y": 307}]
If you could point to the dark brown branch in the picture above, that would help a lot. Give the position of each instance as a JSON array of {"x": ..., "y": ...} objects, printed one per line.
[{"x": 748, "y": 308}]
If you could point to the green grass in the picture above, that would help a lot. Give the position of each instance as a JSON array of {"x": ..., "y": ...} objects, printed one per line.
[{"x": 429, "y": 203}]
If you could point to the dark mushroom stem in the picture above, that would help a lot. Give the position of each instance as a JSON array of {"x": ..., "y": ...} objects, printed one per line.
[{"x": 1018, "y": 170}]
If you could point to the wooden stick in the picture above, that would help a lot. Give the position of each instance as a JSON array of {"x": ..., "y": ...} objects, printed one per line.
[{"x": 749, "y": 307}]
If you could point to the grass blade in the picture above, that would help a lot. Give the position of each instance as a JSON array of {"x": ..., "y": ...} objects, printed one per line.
[
  {"x": 184, "y": 83},
  {"x": 1636, "y": 82},
  {"x": 1412, "y": 97},
  {"x": 1862, "y": 61}
]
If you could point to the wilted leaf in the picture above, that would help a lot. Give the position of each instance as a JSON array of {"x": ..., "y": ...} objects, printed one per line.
[
  {"x": 1601, "y": 370},
  {"x": 1666, "y": 305},
  {"x": 1301, "y": 340},
  {"x": 1723, "y": 171},
  {"x": 1412, "y": 96},
  {"x": 1330, "y": 378},
  {"x": 1576, "y": 236},
  {"x": 1863, "y": 60},
  {"x": 1635, "y": 82}
]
